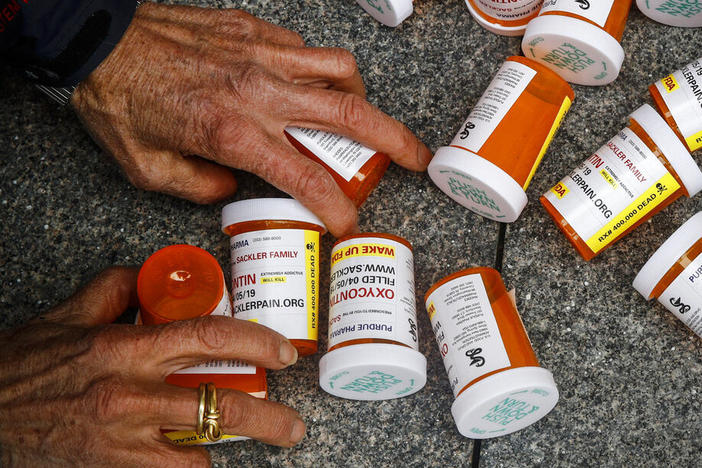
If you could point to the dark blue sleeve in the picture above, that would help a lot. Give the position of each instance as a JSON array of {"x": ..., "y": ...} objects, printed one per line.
[{"x": 59, "y": 42}]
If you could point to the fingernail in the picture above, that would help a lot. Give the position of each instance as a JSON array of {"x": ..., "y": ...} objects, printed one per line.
[
  {"x": 287, "y": 354},
  {"x": 424, "y": 156},
  {"x": 298, "y": 431}
]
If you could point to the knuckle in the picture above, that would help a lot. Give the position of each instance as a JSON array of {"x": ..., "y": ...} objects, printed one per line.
[
  {"x": 345, "y": 63},
  {"x": 233, "y": 412},
  {"x": 314, "y": 184},
  {"x": 211, "y": 335},
  {"x": 296, "y": 39},
  {"x": 351, "y": 110},
  {"x": 106, "y": 399},
  {"x": 241, "y": 23}
]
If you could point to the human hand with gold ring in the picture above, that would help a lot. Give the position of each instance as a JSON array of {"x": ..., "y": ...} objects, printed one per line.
[{"x": 77, "y": 390}]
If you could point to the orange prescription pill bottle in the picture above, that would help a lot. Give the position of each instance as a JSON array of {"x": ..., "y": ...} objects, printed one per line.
[
  {"x": 681, "y": 13},
  {"x": 275, "y": 266},
  {"x": 640, "y": 171},
  {"x": 579, "y": 40},
  {"x": 497, "y": 383},
  {"x": 356, "y": 169},
  {"x": 182, "y": 282},
  {"x": 673, "y": 275},
  {"x": 373, "y": 343},
  {"x": 678, "y": 98},
  {"x": 494, "y": 156},
  {"x": 507, "y": 18}
]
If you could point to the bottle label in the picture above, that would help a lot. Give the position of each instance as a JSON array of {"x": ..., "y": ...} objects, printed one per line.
[
  {"x": 371, "y": 292},
  {"x": 684, "y": 296},
  {"x": 596, "y": 11},
  {"x": 504, "y": 90},
  {"x": 682, "y": 93},
  {"x": 275, "y": 278},
  {"x": 612, "y": 189},
  {"x": 466, "y": 330},
  {"x": 345, "y": 156},
  {"x": 514, "y": 10}
]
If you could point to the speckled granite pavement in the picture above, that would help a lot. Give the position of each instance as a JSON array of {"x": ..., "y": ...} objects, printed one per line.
[{"x": 630, "y": 375}]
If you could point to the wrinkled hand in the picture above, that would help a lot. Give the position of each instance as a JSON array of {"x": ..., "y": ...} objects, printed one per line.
[
  {"x": 223, "y": 85},
  {"x": 78, "y": 391}
]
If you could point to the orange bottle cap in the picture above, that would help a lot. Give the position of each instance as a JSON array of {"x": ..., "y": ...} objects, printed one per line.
[{"x": 179, "y": 282}]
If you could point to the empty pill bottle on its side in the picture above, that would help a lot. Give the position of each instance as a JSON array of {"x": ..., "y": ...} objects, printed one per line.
[
  {"x": 679, "y": 100},
  {"x": 673, "y": 274},
  {"x": 579, "y": 40},
  {"x": 489, "y": 164},
  {"x": 637, "y": 173},
  {"x": 498, "y": 385}
]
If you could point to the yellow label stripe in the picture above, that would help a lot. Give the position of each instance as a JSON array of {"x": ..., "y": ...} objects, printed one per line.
[
  {"x": 312, "y": 280},
  {"x": 694, "y": 141},
  {"x": 363, "y": 250},
  {"x": 565, "y": 105},
  {"x": 670, "y": 83},
  {"x": 636, "y": 210}
]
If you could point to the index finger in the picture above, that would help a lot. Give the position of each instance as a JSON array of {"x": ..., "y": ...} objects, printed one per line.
[
  {"x": 352, "y": 116},
  {"x": 187, "y": 343}
]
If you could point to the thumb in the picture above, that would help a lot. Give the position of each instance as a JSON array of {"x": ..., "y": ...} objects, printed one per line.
[{"x": 101, "y": 301}]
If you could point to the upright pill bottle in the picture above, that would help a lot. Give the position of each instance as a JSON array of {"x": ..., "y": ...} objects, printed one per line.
[
  {"x": 673, "y": 275},
  {"x": 356, "y": 169},
  {"x": 678, "y": 98},
  {"x": 579, "y": 39},
  {"x": 182, "y": 282},
  {"x": 491, "y": 161},
  {"x": 497, "y": 383},
  {"x": 389, "y": 12},
  {"x": 507, "y": 18},
  {"x": 637, "y": 173},
  {"x": 681, "y": 13},
  {"x": 275, "y": 266},
  {"x": 373, "y": 343}
]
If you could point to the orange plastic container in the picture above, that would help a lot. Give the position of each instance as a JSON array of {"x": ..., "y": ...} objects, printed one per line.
[
  {"x": 580, "y": 40},
  {"x": 494, "y": 374},
  {"x": 491, "y": 161},
  {"x": 636, "y": 174},
  {"x": 182, "y": 282},
  {"x": 678, "y": 99},
  {"x": 275, "y": 266},
  {"x": 355, "y": 168},
  {"x": 673, "y": 274},
  {"x": 373, "y": 334}
]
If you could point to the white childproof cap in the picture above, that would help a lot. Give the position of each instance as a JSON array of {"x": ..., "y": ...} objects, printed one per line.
[
  {"x": 667, "y": 255},
  {"x": 505, "y": 402},
  {"x": 263, "y": 209},
  {"x": 372, "y": 371},
  {"x": 671, "y": 16},
  {"x": 580, "y": 52},
  {"x": 477, "y": 184},
  {"x": 389, "y": 12},
  {"x": 495, "y": 27}
]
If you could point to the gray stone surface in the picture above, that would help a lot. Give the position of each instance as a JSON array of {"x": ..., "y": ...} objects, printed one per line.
[{"x": 630, "y": 375}]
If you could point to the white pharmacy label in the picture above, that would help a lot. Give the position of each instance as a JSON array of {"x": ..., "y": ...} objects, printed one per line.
[
  {"x": 466, "y": 330},
  {"x": 275, "y": 280},
  {"x": 513, "y": 10},
  {"x": 684, "y": 296},
  {"x": 504, "y": 90},
  {"x": 596, "y": 11},
  {"x": 612, "y": 190},
  {"x": 371, "y": 292},
  {"x": 224, "y": 308},
  {"x": 345, "y": 156},
  {"x": 682, "y": 93}
]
